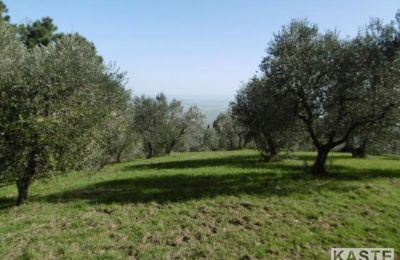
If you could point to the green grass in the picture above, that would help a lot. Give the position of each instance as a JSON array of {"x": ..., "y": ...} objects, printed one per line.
[{"x": 216, "y": 205}]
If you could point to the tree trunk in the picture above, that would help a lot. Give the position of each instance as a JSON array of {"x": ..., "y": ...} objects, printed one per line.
[
  {"x": 271, "y": 151},
  {"x": 119, "y": 154},
  {"x": 231, "y": 144},
  {"x": 246, "y": 140},
  {"x": 271, "y": 156},
  {"x": 150, "y": 152},
  {"x": 319, "y": 164},
  {"x": 170, "y": 147},
  {"x": 26, "y": 180},
  {"x": 361, "y": 151},
  {"x": 240, "y": 142}
]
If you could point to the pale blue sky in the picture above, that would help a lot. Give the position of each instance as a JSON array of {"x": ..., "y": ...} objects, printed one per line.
[{"x": 193, "y": 48}]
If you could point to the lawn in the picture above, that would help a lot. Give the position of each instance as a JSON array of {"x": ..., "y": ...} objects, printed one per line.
[{"x": 216, "y": 205}]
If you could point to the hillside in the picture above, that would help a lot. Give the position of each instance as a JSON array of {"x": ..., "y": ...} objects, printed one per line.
[{"x": 207, "y": 205}]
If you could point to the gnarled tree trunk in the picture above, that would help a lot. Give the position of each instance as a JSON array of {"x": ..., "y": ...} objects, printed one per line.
[
  {"x": 150, "y": 151},
  {"x": 361, "y": 151},
  {"x": 26, "y": 180},
  {"x": 273, "y": 152},
  {"x": 319, "y": 164},
  {"x": 170, "y": 147},
  {"x": 269, "y": 150},
  {"x": 119, "y": 154}
]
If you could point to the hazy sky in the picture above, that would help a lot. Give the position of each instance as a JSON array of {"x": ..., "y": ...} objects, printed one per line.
[{"x": 193, "y": 48}]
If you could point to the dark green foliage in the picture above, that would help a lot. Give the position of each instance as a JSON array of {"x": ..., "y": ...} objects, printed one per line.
[
  {"x": 337, "y": 86},
  {"x": 4, "y": 12},
  {"x": 268, "y": 114},
  {"x": 231, "y": 134},
  {"x": 40, "y": 32},
  {"x": 56, "y": 102},
  {"x": 150, "y": 121}
]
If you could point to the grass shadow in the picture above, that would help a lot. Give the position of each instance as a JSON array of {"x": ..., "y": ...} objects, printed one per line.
[
  {"x": 391, "y": 157},
  {"x": 274, "y": 179},
  {"x": 240, "y": 161},
  {"x": 6, "y": 202},
  {"x": 311, "y": 157},
  {"x": 183, "y": 187}
]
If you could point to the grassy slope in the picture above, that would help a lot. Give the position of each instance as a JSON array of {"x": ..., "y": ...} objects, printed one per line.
[{"x": 214, "y": 205}]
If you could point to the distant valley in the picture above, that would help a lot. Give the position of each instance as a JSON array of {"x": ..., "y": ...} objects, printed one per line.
[{"x": 211, "y": 107}]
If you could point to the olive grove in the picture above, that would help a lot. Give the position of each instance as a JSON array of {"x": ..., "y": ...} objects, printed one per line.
[{"x": 335, "y": 87}]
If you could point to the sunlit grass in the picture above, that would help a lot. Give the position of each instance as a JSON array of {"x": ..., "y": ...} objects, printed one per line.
[{"x": 210, "y": 204}]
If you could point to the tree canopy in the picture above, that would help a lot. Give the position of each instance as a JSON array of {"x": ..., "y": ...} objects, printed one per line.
[
  {"x": 267, "y": 114},
  {"x": 336, "y": 85},
  {"x": 4, "y": 12},
  {"x": 163, "y": 125},
  {"x": 54, "y": 100}
]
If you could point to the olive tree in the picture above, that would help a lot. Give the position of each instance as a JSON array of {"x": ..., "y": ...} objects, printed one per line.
[
  {"x": 50, "y": 108},
  {"x": 337, "y": 85},
  {"x": 150, "y": 122},
  {"x": 119, "y": 133},
  {"x": 231, "y": 134},
  {"x": 164, "y": 125},
  {"x": 267, "y": 113},
  {"x": 204, "y": 138},
  {"x": 374, "y": 139},
  {"x": 377, "y": 137},
  {"x": 181, "y": 125},
  {"x": 13, "y": 56}
]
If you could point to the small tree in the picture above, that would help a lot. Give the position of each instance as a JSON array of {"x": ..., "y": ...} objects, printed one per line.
[
  {"x": 181, "y": 125},
  {"x": 120, "y": 133},
  {"x": 115, "y": 132},
  {"x": 268, "y": 115},
  {"x": 228, "y": 131},
  {"x": 150, "y": 122},
  {"x": 204, "y": 139},
  {"x": 378, "y": 139},
  {"x": 164, "y": 126}
]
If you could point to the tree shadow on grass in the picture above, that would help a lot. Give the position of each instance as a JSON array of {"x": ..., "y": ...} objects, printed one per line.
[
  {"x": 312, "y": 157},
  {"x": 6, "y": 202},
  {"x": 183, "y": 187},
  {"x": 278, "y": 179},
  {"x": 237, "y": 161},
  {"x": 274, "y": 179},
  {"x": 391, "y": 157}
]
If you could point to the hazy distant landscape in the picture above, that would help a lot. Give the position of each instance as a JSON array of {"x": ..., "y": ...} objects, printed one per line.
[{"x": 210, "y": 106}]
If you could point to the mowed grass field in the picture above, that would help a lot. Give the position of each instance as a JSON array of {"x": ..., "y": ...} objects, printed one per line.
[{"x": 215, "y": 205}]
